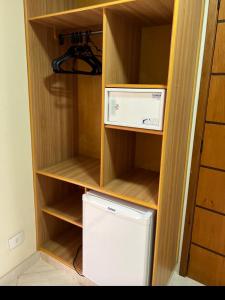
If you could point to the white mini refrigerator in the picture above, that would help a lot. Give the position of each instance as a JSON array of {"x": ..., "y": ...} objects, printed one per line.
[{"x": 117, "y": 241}]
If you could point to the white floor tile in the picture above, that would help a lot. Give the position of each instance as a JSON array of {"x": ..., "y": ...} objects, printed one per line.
[
  {"x": 40, "y": 267},
  {"x": 183, "y": 281},
  {"x": 47, "y": 278}
]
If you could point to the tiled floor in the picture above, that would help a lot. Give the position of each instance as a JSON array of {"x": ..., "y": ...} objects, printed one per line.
[
  {"x": 45, "y": 272},
  {"x": 181, "y": 281}
]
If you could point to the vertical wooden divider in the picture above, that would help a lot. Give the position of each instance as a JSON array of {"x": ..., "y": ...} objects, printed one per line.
[
  {"x": 118, "y": 147},
  {"x": 104, "y": 42},
  {"x": 187, "y": 32}
]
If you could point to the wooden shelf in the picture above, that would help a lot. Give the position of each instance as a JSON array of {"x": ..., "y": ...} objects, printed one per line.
[
  {"x": 76, "y": 18},
  {"x": 139, "y": 186},
  {"x": 147, "y": 131},
  {"x": 69, "y": 210},
  {"x": 81, "y": 170},
  {"x": 65, "y": 247},
  {"x": 147, "y": 12},
  {"x": 137, "y": 86}
]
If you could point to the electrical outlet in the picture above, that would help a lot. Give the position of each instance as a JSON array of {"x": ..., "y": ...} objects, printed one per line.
[{"x": 16, "y": 240}]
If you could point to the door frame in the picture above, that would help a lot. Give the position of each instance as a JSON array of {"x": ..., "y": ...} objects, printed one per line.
[{"x": 199, "y": 132}]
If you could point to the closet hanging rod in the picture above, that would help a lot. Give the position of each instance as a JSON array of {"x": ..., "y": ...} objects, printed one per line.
[{"x": 71, "y": 36}]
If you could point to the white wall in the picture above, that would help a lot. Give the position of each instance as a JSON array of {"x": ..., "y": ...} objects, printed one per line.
[{"x": 16, "y": 186}]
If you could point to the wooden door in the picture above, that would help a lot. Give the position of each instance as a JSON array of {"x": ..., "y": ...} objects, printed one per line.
[{"x": 203, "y": 257}]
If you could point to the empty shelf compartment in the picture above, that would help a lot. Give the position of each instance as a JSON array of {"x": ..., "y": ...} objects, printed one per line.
[{"x": 61, "y": 199}]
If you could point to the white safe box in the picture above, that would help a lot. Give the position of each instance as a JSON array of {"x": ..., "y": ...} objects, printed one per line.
[
  {"x": 118, "y": 240},
  {"x": 137, "y": 108}
]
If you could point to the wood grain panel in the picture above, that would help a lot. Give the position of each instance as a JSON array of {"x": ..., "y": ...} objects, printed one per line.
[
  {"x": 83, "y": 171},
  {"x": 75, "y": 20},
  {"x": 50, "y": 227},
  {"x": 64, "y": 247},
  {"x": 122, "y": 45},
  {"x": 186, "y": 34},
  {"x": 52, "y": 191},
  {"x": 119, "y": 150},
  {"x": 211, "y": 190},
  {"x": 69, "y": 210},
  {"x": 152, "y": 44},
  {"x": 216, "y": 102},
  {"x": 79, "y": 17},
  {"x": 155, "y": 54},
  {"x": 84, "y": 3},
  {"x": 138, "y": 186},
  {"x": 145, "y": 12},
  {"x": 133, "y": 129},
  {"x": 136, "y": 86},
  {"x": 89, "y": 97},
  {"x": 204, "y": 264},
  {"x": 214, "y": 146},
  {"x": 52, "y": 105},
  {"x": 222, "y": 10},
  {"x": 44, "y": 7},
  {"x": 209, "y": 230},
  {"x": 52, "y": 113},
  {"x": 219, "y": 54},
  {"x": 148, "y": 152},
  {"x": 89, "y": 115},
  {"x": 199, "y": 131}
]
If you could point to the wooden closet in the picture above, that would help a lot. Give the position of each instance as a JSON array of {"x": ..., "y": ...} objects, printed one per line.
[
  {"x": 203, "y": 256},
  {"x": 145, "y": 44}
]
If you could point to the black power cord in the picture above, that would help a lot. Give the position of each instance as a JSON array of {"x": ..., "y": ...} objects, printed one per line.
[{"x": 75, "y": 261}]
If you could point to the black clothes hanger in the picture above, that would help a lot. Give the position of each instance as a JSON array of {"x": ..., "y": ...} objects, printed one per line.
[{"x": 80, "y": 51}]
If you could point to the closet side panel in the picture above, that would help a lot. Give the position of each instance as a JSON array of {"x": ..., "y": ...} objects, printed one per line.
[
  {"x": 185, "y": 49},
  {"x": 52, "y": 101},
  {"x": 52, "y": 112}
]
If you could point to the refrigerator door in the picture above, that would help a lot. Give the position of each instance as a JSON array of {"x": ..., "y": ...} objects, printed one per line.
[{"x": 117, "y": 242}]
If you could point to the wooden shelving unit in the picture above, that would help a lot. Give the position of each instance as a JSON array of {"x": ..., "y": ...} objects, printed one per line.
[{"x": 145, "y": 44}]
